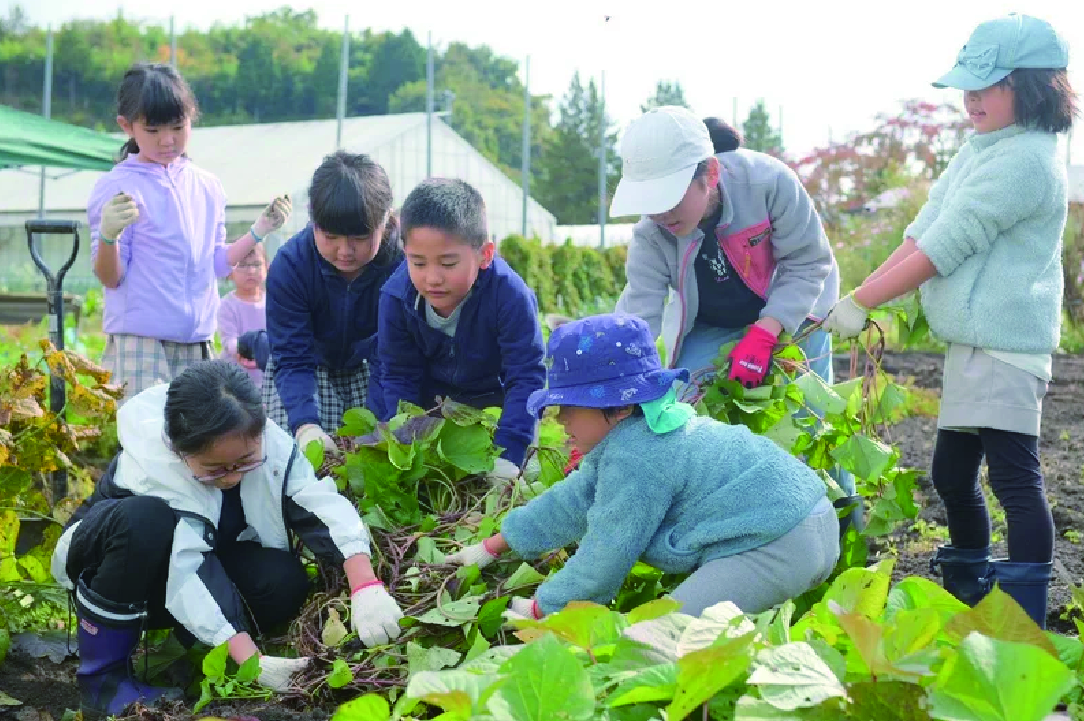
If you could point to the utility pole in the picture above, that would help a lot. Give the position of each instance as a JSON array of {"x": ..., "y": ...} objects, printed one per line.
[
  {"x": 344, "y": 71},
  {"x": 429, "y": 108},
  {"x": 602, "y": 163},
  {"x": 602, "y": 209},
  {"x": 526, "y": 170},
  {"x": 46, "y": 110},
  {"x": 172, "y": 44}
]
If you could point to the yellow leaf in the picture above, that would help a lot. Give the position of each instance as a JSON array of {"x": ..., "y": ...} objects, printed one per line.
[
  {"x": 88, "y": 367},
  {"x": 24, "y": 408}
]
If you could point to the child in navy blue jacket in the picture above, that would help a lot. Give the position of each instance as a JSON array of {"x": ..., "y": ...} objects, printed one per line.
[
  {"x": 456, "y": 321},
  {"x": 322, "y": 293}
]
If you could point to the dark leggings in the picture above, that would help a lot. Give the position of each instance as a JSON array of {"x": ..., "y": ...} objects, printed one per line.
[
  {"x": 1016, "y": 480},
  {"x": 122, "y": 549}
]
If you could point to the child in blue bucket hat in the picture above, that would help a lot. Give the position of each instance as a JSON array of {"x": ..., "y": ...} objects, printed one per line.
[
  {"x": 986, "y": 251},
  {"x": 658, "y": 483}
]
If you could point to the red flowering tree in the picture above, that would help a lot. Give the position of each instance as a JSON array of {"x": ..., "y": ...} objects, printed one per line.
[{"x": 914, "y": 144}]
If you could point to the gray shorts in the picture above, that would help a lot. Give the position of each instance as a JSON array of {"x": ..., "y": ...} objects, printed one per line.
[
  {"x": 758, "y": 579},
  {"x": 980, "y": 391}
]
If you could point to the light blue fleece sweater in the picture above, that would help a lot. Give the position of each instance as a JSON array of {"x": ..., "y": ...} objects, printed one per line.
[
  {"x": 992, "y": 227},
  {"x": 677, "y": 500}
]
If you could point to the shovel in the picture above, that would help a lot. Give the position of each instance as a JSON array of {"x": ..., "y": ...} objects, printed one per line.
[{"x": 55, "y": 293}]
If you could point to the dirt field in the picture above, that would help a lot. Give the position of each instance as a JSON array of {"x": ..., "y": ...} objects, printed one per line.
[{"x": 50, "y": 688}]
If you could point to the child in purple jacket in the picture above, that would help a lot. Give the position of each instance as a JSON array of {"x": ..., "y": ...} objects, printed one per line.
[
  {"x": 158, "y": 236},
  {"x": 243, "y": 310}
]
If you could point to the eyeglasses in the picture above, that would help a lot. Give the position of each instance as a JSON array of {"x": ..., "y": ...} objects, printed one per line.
[
  {"x": 228, "y": 470},
  {"x": 249, "y": 266}
]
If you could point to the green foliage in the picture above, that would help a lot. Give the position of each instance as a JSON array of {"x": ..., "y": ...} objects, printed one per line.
[
  {"x": 666, "y": 93},
  {"x": 279, "y": 66},
  {"x": 569, "y": 167},
  {"x": 567, "y": 279},
  {"x": 758, "y": 133},
  {"x": 412, "y": 465},
  {"x": 867, "y": 651},
  {"x": 34, "y": 442},
  {"x": 786, "y": 408},
  {"x": 219, "y": 683}
]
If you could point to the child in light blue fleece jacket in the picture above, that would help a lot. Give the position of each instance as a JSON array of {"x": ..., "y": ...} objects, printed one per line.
[
  {"x": 986, "y": 250},
  {"x": 684, "y": 493}
]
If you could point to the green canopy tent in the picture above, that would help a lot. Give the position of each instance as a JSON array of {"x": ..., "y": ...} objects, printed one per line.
[{"x": 29, "y": 139}]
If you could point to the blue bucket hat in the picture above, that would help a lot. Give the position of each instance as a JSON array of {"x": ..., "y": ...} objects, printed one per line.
[
  {"x": 603, "y": 361},
  {"x": 997, "y": 47}
]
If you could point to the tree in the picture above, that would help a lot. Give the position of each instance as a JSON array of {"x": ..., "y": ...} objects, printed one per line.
[
  {"x": 568, "y": 186},
  {"x": 488, "y": 105},
  {"x": 396, "y": 59},
  {"x": 915, "y": 143},
  {"x": 666, "y": 93},
  {"x": 758, "y": 133}
]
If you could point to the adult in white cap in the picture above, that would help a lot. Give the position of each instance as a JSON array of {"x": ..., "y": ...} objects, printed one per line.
[{"x": 734, "y": 234}]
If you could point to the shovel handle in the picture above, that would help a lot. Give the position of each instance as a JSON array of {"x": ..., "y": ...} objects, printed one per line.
[{"x": 52, "y": 227}]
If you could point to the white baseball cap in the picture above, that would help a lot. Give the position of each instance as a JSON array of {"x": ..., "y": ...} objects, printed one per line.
[{"x": 659, "y": 154}]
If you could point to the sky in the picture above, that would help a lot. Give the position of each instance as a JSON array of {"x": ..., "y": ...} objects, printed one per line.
[{"x": 826, "y": 68}]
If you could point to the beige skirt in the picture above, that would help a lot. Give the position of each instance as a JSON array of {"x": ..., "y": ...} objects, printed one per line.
[{"x": 980, "y": 391}]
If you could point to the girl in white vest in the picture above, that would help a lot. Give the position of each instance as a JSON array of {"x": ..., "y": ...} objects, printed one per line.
[{"x": 190, "y": 528}]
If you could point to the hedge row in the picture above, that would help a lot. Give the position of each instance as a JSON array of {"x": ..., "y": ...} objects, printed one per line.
[{"x": 568, "y": 279}]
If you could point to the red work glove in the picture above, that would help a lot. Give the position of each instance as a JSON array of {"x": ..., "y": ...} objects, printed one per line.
[
  {"x": 752, "y": 357},
  {"x": 574, "y": 459}
]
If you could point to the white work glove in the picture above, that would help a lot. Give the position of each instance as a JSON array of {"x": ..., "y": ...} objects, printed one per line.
[
  {"x": 120, "y": 212},
  {"x": 273, "y": 217},
  {"x": 522, "y": 608},
  {"x": 310, "y": 432},
  {"x": 276, "y": 671},
  {"x": 476, "y": 555},
  {"x": 847, "y": 318},
  {"x": 504, "y": 472},
  {"x": 374, "y": 615}
]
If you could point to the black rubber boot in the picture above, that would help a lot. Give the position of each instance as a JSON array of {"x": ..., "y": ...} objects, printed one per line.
[
  {"x": 963, "y": 572},
  {"x": 1027, "y": 583},
  {"x": 108, "y": 633}
]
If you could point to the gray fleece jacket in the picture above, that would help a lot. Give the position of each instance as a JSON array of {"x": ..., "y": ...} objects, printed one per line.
[{"x": 772, "y": 236}]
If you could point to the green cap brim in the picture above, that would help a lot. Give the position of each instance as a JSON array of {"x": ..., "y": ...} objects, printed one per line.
[{"x": 961, "y": 78}]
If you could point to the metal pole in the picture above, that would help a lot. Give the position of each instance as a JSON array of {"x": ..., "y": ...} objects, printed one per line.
[
  {"x": 734, "y": 113},
  {"x": 526, "y": 140},
  {"x": 172, "y": 44},
  {"x": 46, "y": 111},
  {"x": 344, "y": 70},
  {"x": 602, "y": 163},
  {"x": 429, "y": 107}
]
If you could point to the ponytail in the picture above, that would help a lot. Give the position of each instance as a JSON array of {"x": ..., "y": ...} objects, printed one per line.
[
  {"x": 724, "y": 137},
  {"x": 129, "y": 148},
  {"x": 391, "y": 243}
]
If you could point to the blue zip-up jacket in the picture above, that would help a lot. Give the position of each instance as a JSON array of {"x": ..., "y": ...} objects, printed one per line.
[
  {"x": 678, "y": 500},
  {"x": 315, "y": 317},
  {"x": 496, "y": 353}
]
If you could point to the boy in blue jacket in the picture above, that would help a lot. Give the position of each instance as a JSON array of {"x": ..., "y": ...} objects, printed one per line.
[
  {"x": 456, "y": 321},
  {"x": 685, "y": 493}
]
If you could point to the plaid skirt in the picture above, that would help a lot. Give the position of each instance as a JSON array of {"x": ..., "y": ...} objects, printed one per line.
[
  {"x": 138, "y": 362},
  {"x": 336, "y": 393}
]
